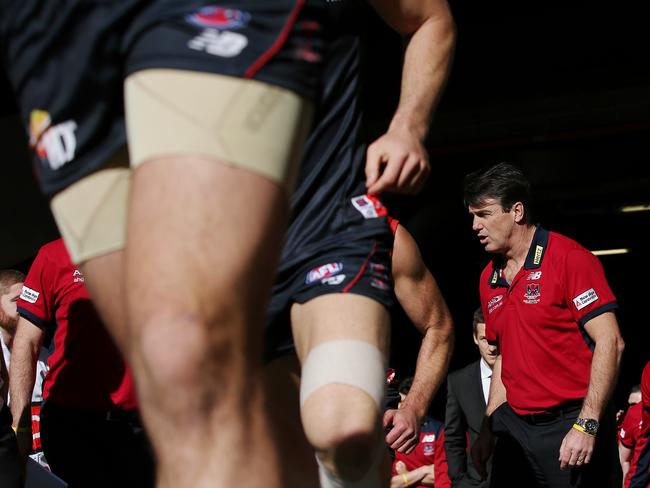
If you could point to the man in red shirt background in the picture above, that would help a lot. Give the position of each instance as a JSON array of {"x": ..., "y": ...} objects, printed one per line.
[
  {"x": 549, "y": 308},
  {"x": 89, "y": 424}
]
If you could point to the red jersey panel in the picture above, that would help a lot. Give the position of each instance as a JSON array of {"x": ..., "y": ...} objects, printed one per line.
[
  {"x": 538, "y": 321},
  {"x": 430, "y": 450},
  {"x": 645, "y": 397},
  {"x": 86, "y": 370}
]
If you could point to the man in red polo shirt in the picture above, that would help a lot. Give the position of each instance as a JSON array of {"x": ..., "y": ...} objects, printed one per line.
[
  {"x": 638, "y": 475},
  {"x": 90, "y": 430},
  {"x": 548, "y": 306}
]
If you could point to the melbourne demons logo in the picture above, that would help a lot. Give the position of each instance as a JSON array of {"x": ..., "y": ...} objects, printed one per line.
[
  {"x": 219, "y": 18},
  {"x": 532, "y": 293}
]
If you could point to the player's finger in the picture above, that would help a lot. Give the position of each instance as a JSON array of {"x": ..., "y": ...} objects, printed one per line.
[
  {"x": 374, "y": 160},
  {"x": 388, "y": 179}
]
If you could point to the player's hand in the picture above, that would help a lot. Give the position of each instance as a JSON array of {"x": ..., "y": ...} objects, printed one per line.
[
  {"x": 404, "y": 424},
  {"x": 481, "y": 451},
  {"x": 576, "y": 449},
  {"x": 396, "y": 162}
]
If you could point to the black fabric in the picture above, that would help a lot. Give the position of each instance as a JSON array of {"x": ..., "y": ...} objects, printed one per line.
[
  {"x": 464, "y": 414},
  {"x": 106, "y": 449},
  {"x": 541, "y": 441},
  {"x": 68, "y": 59},
  {"x": 325, "y": 227},
  {"x": 10, "y": 469}
]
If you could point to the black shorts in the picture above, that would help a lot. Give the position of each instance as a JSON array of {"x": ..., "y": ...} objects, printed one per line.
[
  {"x": 11, "y": 469},
  {"x": 67, "y": 61},
  {"x": 361, "y": 267}
]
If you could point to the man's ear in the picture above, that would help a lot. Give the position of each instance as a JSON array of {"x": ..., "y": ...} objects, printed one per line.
[{"x": 519, "y": 212}]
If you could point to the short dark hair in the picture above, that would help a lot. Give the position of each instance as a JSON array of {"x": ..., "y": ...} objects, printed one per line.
[
  {"x": 477, "y": 319},
  {"x": 9, "y": 277},
  {"x": 635, "y": 389},
  {"x": 405, "y": 385},
  {"x": 503, "y": 182}
]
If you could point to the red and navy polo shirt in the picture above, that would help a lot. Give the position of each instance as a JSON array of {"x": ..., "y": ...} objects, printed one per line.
[
  {"x": 645, "y": 395},
  {"x": 639, "y": 473},
  {"x": 430, "y": 450},
  {"x": 86, "y": 370},
  {"x": 630, "y": 437},
  {"x": 538, "y": 321}
]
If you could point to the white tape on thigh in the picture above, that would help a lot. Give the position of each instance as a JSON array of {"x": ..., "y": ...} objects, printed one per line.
[{"x": 354, "y": 363}]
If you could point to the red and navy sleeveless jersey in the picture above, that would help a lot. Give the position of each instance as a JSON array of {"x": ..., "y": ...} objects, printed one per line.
[
  {"x": 430, "y": 450},
  {"x": 538, "y": 321},
  {"x": 85, "y": 368},
  {"x": 329, "y": 207}
]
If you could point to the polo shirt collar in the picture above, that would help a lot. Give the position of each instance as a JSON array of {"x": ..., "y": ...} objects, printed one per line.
[{"x": 534, "y": 258}]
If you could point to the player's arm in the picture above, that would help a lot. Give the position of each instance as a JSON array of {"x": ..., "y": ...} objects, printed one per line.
[
  {"x": 405, "y": 478},
  {"x": 22, "y": 373},
  {"x": 421, "y": 299},
  {"x": 603, "y": 330},
  {"x": 398, "y": 161},
  {"x": 625, "y": 456},
  {"x": 482, "y": 448}
]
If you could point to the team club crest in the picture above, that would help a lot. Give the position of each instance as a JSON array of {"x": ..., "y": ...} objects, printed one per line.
[
  {"x": 324, "y": 274},
  {"x": 532, "y": 293},
  {"x": 219, "y": 18}
]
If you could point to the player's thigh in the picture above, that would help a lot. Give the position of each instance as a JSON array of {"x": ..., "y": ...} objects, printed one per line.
[
  {"x": 339, "y": 317},
  {"x": 201, "y": 231}
]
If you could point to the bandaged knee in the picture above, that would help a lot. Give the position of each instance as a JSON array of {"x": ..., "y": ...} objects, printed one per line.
[{"x": 353, "y": 363}]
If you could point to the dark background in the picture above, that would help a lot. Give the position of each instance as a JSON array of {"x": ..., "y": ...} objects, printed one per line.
[{"x": 560, "y": 88}]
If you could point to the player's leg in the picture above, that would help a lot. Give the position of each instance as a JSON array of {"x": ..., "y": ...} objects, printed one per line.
[
  {"x": 204, "y": 235},
  {"x": 342, "y": 341}
]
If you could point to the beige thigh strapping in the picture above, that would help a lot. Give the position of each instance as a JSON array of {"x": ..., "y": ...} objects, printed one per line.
[
  {"x": 91, "y": 213},
  {"x": 245, "y": 123}
]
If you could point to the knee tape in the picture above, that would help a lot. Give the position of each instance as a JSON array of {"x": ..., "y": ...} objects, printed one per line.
[
  {"x": 349, "y": 362},
  {"x": 92, "y": 213}
]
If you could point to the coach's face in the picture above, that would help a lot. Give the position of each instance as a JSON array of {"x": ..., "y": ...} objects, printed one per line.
[
  {"x": 493, "y": 225},
  {"x": 8, "y": 310}
]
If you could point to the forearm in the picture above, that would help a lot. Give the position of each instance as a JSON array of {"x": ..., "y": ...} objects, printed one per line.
[
  {"x": 410, "y": 478},
  {"x": 497, "y": 396},
  {"x": 431, "y": 367},
  {"x": 22, "y": 375},
  {"x": 427, "y": 59},
  {"x": 604, "y": 371}
]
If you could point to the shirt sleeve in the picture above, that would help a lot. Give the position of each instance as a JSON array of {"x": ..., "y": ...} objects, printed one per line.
[
  {"x": 626, "y": 435},
  {"x": 587, "y": 292},
  {"x": 36, "y": 300}
]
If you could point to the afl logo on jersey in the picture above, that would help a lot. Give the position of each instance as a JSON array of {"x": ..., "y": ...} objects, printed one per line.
[{"x": 219, "y": 18}]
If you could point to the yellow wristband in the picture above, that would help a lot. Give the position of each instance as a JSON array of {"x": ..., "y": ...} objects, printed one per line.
[
  {"x": 579, "y": 428},
  {"x": 406, "y": 479}
]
